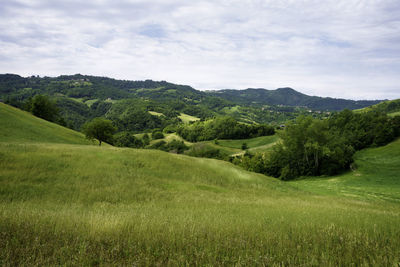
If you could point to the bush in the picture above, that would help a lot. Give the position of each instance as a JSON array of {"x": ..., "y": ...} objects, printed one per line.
[
  {"x": 205, "y": 151},
  {"x": 126, "y": 139},
  {"x": 157, "y": 135},
  {"x": 42, "y": 107},
  {"x": 174, "y": 146},
  {"x": 244, "y": 146}
]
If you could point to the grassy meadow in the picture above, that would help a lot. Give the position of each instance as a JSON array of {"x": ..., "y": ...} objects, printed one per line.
[
  {"x": 18, "y": 126},
  {"x": 64, "y": 202},
  {"x": 187, "y": 118}
]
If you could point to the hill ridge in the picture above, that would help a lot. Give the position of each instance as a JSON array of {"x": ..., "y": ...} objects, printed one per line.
[{"x": 114, "y": 88}]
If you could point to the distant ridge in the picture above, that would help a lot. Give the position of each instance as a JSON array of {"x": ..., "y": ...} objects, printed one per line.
[
  {"x": 289, "y": 97},
  {"x": 103, "y": 87}
]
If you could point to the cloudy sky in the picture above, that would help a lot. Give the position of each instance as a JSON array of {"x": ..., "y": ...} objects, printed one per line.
[{"x": 337, "y": 48}]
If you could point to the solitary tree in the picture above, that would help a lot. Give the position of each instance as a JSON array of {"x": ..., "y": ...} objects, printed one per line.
[{"x": 100, "y": 129}]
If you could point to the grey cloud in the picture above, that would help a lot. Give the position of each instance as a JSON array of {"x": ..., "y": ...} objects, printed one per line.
[{"x": 334, "y": 49}]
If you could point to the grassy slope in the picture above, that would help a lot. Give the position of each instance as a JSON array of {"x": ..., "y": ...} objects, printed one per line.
[
  {"x": 376, "y": 176},
  {"x": 187, "y": 118},
  {"x": 381, "y": 106},
  {"x": 251, "y": 143},
  {"x": 89, "y": 205},
  {"x": 397, "y": 113},
  {"x": 20, "y": 126}
]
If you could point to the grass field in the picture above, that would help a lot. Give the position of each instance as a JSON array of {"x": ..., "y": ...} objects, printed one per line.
[
  {"x": 90, "y": 102},
  {"x": 258, "y": 144},
  {"x": 376, "y": 176},
  {"x": 74, "y": 204},
  {"x": 397, "y": 113},
  {"x": 187, "y": 118},
  {"x": 156, "y": 113},
  {"x": 21, "y": 127}
]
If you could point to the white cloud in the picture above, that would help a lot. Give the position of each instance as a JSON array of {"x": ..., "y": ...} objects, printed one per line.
[{"x": 331, "y": 48}]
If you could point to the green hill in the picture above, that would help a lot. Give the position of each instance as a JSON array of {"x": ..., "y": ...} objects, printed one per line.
[
  {"x": 391, "y": 107},
  {"x": 69, "y": 204},
  {"x": 20, "y": 126},
  {"x": 289, "y": 97},
  {"x": 128, "y": 103}
]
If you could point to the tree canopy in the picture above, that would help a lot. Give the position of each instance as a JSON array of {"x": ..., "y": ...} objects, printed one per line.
[
  {"x": 100, "y": 129},
  {"x": 311, "y": 147},
  {"x": 41, "y": 106}
]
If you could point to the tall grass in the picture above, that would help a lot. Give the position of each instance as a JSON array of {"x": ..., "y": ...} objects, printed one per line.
[
  {"x": 20, "y": 126},
  {"x": 74, "y": 204},
  {"x": 86, "y": 205}
]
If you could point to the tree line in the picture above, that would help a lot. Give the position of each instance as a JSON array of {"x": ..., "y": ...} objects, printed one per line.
[
  {"x": 222, "y": 128},
  {"x": 311, "y": 147}
]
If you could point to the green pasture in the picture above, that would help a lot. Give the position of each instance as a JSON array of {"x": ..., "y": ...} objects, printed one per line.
[
  {"x": 21, "y": 127},
  {"x": 63, "y": 202},
  {"x": 187, "y": 118}
]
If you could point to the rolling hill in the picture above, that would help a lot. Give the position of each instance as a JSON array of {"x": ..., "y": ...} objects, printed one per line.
[
  {"x": 63, "y": 202},
  {"x": 80, "y": 98}
]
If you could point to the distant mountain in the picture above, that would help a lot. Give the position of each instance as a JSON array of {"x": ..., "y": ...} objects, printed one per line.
[
  {"x": 132, "y": 105},
  {"x": 289, "y": 97}
]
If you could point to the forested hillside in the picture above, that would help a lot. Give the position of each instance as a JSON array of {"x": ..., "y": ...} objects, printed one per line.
[
  {"x": 289, "y": 97},
  {"x": 156, "y": 104}
]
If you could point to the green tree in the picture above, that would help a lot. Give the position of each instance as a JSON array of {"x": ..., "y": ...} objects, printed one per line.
[
  {"x": 146, "y": 139},
  {"x": 244, "y": 146},
  {"x": 100, "y": 129},
  {"x": 42, "y": 107},
  {"x": 157, "y": 135}
]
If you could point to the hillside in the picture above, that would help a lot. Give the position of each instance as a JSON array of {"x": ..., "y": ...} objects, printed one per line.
[
  {"x": 391, "y": 107},
  {"x": 21, "y": 127},
  {"x": 289, "y": 97},
  {"x": 68, "y": 204},
  {"x": 83, "y": 97},
  {"x": 375, "y": 175}
]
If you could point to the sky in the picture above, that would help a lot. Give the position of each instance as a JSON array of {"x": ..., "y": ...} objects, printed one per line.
[{"x": 336, "y": 48}]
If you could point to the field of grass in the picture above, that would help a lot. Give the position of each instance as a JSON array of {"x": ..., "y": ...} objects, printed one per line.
[
  {"x": 70, "y": 204},
  {"x": 397, "y": 113},
  {"x": 21, "y": 127},
  {"x": 376, "y": 175},
  {"x": 90, "y": 102},
  {"x": 187, "y": 118},
  {"x": 251, "y": 143},
  {"x": 156, "y": 113},
  {"x": 168, "y": 138}
]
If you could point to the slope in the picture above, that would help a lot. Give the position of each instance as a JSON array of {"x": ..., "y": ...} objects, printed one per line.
[
  {"x": 391, "y": 107},
  {"x": 63, "y": 204},
  {"x": 20, "y": 126},
  {"x": 375, "y": 175}
]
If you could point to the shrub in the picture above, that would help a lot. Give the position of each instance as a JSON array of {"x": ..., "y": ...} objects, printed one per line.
[{"x": 157, "y": 135}]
